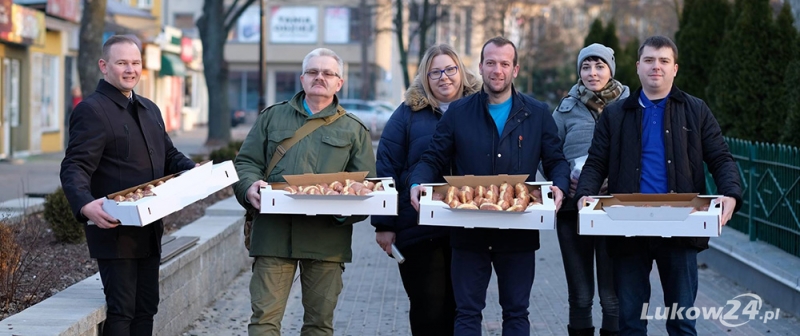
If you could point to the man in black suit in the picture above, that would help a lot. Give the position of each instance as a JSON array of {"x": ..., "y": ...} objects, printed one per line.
[{"x": 117, "y": 140}]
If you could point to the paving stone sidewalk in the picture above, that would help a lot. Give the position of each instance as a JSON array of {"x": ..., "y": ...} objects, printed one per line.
[{"x": 373, "y": 301}]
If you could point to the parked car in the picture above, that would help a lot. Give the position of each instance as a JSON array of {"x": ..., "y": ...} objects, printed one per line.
[{"x": 373, "y": 113}]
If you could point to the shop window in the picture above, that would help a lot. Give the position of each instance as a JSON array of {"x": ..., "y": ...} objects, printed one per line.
[
  {"x": 185, "y": 22},
  {"x": 251, "y": 96},
  {"x": 287, "y": 84},
  {"x": 146, "y": 4},
  {"x": 243, "y": 90},
  {"x": 235, "y": 90},
  {"x": 45, "y": 91},
  {"x": 188, "y": 88}
]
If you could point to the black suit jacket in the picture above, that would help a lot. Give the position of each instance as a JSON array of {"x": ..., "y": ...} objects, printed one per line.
[{"x": 110, "y": 150}]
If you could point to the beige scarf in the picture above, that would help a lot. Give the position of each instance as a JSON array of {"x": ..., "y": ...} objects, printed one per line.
[{"x": 597, "y": 100}]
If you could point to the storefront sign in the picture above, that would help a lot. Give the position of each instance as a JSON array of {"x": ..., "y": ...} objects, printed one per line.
[
  {"x": 152, "y": 57},
  {"x": 5, "y": 16},
  {"x": 337, "y": 25},
  {"x": 171, "y": 41},
  {"x": 69, "y": 10},
  {"x": 197, "y": 61},
  {"x": 187, "y": 51},
  {"x": 248, "y": 28},
  {"x": 293, "y": 25},
  {"x": 28, "y": 26}
]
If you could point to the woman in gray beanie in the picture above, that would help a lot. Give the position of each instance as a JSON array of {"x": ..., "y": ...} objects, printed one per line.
[{"x": 575, "y": 118}]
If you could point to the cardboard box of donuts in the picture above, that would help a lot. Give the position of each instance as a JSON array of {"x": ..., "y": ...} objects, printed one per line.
[
  {"x": 143, "y": 204},
  {"x": 501, "y": 201},
  {"x": 344, "y": 194},
  {"x": 659, "y": 215}
]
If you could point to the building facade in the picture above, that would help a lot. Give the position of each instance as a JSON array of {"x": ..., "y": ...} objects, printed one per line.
[
  {"x": 38, "y": 45},
  {"x": 292, "y": 30}
]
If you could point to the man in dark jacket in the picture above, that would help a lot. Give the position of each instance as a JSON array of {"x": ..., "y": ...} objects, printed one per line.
[
  {"x": 495, "y": 131},
  {"x": 656, "y": 141},
  {"x": 117, "y": 140}
]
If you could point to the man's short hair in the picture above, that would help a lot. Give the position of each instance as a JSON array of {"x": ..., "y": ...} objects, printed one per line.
[
  {"x": 659, "y": 42},
  {"x": 500, "y": 41},
  {"x": 324, "y": 52},
  {"x": 117, "y": 39}
]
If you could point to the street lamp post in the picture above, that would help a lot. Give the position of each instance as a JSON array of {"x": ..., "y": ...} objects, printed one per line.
[{"x": 262, "y": 62}]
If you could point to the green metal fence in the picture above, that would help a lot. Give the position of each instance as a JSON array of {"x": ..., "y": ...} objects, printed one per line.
[{"x": 771, "y": 190}]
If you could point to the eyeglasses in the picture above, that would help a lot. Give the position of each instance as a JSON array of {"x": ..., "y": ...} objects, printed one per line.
[
  {"x": 437, "y": 74},
  {"x": 314, "y": 72}
]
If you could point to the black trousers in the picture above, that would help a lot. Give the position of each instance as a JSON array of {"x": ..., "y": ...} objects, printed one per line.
[
  {"x": 426, "y": 278},
  {"x": 131, "y": 289}
]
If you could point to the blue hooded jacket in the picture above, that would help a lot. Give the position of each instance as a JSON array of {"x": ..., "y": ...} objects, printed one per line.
[{"x": 405, "y": 137}]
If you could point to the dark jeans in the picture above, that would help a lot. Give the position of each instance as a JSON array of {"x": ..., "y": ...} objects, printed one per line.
[
  {"x": 677, "y": 267},
  {"x": 471, "y": 273},
  {"x": 579, "y": 254},
  {"x": 426, "y": 278},
  {"x": 131, "y": 289}
]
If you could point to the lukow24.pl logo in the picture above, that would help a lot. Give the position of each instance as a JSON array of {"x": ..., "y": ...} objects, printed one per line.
[{"x": 737, "y": 312}]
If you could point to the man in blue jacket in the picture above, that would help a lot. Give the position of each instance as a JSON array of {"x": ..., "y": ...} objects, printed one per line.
[{"x": 496, "y": 131}]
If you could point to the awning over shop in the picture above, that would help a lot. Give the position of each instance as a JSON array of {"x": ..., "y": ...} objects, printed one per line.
[{"x": 172, "y": 65}]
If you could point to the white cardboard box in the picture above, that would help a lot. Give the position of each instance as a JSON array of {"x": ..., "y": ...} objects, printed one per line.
[
  {"x": 655, "y": 215},
  {"x": 275, "y": 200},
  {"x": 223, "y": 174},
  {"x": 179, "y": 191},
  {"x": 537, "y": 217}
]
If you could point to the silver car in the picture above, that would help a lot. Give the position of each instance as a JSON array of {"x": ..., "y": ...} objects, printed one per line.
[{"x": 373, "y": 113}]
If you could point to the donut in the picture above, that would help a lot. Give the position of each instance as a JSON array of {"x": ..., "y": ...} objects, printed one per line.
[{"x": 490, "y": 206}]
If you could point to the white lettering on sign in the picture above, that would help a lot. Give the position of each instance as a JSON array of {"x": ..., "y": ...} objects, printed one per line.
[{"x": 294, "y": 25}]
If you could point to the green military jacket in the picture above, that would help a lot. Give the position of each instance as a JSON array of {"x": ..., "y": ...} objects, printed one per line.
[{"x": 344, "y": 145}]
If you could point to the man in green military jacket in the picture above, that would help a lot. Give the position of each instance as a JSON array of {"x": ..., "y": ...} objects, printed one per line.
[{"x": 320, "y": 245}]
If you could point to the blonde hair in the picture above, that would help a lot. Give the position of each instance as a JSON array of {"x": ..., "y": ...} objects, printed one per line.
[{"x": 425, "y": 66}]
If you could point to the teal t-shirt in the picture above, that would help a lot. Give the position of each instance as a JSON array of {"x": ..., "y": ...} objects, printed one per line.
[
  {"x": 305, "y": 107},
  {"x": 499, "y": 113}
]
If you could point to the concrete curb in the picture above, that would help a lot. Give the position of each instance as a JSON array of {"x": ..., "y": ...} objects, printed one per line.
[
  {"x": 188, "y": 283},
  {"x": 12, "y": 210},
  {"x": 762, "y": 268}
]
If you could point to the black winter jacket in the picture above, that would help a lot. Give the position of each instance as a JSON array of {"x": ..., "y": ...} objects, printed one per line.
[
  {"x": 109, "y": 151},
  {"x": 692, "y": 137},
  {"x": 467, "y": 136},
  {"x": 405, "y": 137}
]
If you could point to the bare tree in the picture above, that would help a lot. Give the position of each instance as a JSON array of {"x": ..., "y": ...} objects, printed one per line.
[
  {"x": 214, "y": 25},
  {"x": 91, "y": 44},
  {"x": 399, "y": 25},
  {"x": 424, "y": 15},
  {"x": 366, "y": 15},
  {"x": 494, "y": 20},
  {"x": 636, "y": 18}
]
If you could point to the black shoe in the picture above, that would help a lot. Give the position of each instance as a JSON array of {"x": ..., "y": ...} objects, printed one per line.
[
  {"x": 580, "y": 332},
  {"x": 604, "y": 332}
]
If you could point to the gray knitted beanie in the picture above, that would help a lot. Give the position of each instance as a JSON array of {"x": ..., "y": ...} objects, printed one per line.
[{"x": 599, "y": 50}]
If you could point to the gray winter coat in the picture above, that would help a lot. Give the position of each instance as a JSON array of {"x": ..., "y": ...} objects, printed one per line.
[{"x": 576, "y": 123}]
